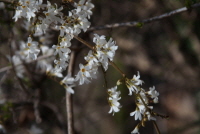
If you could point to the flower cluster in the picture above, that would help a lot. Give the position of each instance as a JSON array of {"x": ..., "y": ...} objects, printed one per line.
[
  {"x": 113, "y": 98},
  {"x": 103, "y": 53},
  {"x": 63, "y": 51},
  {"x": 27, "y": 9},
  {"x": 50, "y": 15},
  {"x": 133, "y": 83},
  {"x": 41, "y": 17},
  {"x": 144, "y": 99},
  {"x": 105, "y": 50}
]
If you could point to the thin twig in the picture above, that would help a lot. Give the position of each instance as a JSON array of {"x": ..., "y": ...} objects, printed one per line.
[
  {"x": 104, "y": 75},
  {"x": 69, "y": 100},
  {"x": 141, "y": 22},
  {"x": 84, "y": 42},
  {"x": 154, "y": 123},
  {"x": 91, "y": 47},
  {"x": 156, "y": 127},
  {"x": 117, "y": 68}
]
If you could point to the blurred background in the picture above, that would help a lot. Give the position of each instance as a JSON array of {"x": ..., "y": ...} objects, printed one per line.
[{"x": 165, "y": 52}]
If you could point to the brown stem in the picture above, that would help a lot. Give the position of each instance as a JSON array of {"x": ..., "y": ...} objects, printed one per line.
[
  {"x": 69, "y": 99},
  {"x": 84, "y": 42},
  {"x": 117, "y": 68},
  {"x": 91, "y": 47},
  {"x": 156, "y": 127},
  {"x": 154, "y": 123}
]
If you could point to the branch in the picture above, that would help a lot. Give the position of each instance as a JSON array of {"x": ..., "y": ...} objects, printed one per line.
[
  {"x": 141, "y": 22},
  {"x": 69, "y": 101}
]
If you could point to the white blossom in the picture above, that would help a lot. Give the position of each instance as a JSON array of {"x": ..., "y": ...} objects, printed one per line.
[
  {"x": 154, "y": 94},
  {"x": 114, "y": 97},
  {"x": 133, "y": 83},
  {"x": 83, "y": 74},
  {"x": 30, "y": 49},
  {"x": 91, "y": 59},
  {"x": 52, "y": 14},
  {"x": 68, "y": 82},
  {"x": 105, "y": 50},
  {"x": 57, "y": 72},
  {"x": 27, "y": 9},
  {"x": 137, "y": 114}
]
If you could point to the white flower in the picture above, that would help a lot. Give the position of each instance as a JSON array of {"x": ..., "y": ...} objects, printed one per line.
[
  {"x": 113, "y": 100},
  {"x": 133, "y": 83},
  {"x": 57, "y": 72},
  {"x": 114, "y": 93},
  {"x": 40, "y": 29},
  {"x": 61, "y": 63},
  {"x": 154, "y": 94},
  {"x": 30, "y": 49},
  {"x": 143, "y": 96},
  {"x": 69, "y": 83},
  {"x": 52, "y": 13},
  {"x": 17, "y": 14},
  {"x": 114, "y": 105},
  {"x": 110, "y": 48},
  {"x": 141, "y": 107},
  {"x": 105, "y": 50},
  {"x": 68, "y": 80},
  {"x": 83, "y": 74},
  {"x": 84, "y": 8},
  {"x": 99, "y": 41},
  {"x": 136, "y": 79},
  {"x": 27, "y": 9},
  {"x": 137, "y": 114},
  {"x": 91, "y": 59},
  {"x": 60, "y": 50}
]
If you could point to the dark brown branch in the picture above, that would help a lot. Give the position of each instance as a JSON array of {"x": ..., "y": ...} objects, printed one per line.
[{"x": 141, "y": 22}]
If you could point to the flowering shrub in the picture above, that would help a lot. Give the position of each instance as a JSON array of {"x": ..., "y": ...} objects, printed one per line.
[{"x": 40, "y": 17}]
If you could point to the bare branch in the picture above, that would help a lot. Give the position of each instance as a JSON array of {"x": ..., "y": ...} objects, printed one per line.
[
  {"x": 69, "y": 101},
  {"x": 141, "y": 22}
]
